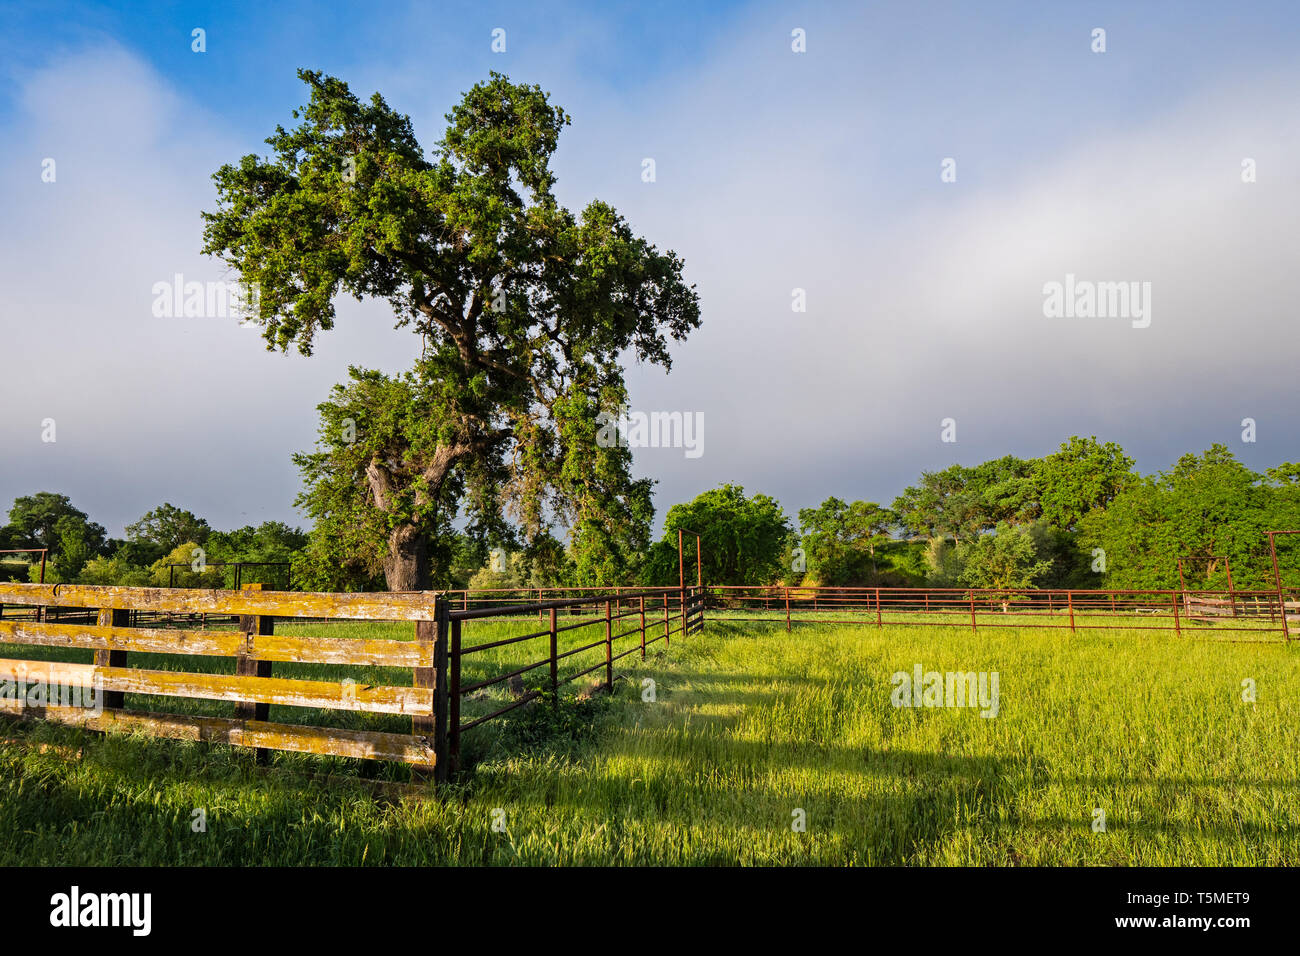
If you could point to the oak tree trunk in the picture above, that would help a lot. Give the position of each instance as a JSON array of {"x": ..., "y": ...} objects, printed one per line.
[{"x": 406, "y": 563}]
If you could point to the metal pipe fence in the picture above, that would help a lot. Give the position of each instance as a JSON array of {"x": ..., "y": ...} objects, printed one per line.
[
  {"x": 608, "y": 628},
  {"x": 1261, "y": 613}
]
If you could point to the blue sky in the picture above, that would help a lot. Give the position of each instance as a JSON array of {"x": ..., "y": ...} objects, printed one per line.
[{"x": 775, "y": 171}]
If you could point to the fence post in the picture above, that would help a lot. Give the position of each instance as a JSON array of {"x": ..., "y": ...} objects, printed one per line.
[
  {"x": 246, "y": 663},
  {"x": 1281, "y": 595},
  {"x": 1232, "y": 599},
  {"x": 642, "y": 627},
  {"x": 113, "y": 699},
  {"x": 684, "y": 618},
  {"x": 878, "y": 624},
  {"x": 434, "y": 635},
  {"x": 1178, "y": 630},
  {"x": 453, "y": 701},
  {"x": 555, "y": 663},
  {"x": 787, "y": 610},
  {"x": 666, "y": 627},
  {"x": 1069, "y": 597},
  {"x": 609, "y": 648},
  {"x": 973, "y": 625}
]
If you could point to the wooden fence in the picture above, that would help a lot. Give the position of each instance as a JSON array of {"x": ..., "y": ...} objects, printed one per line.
[
  {"x": 434, "y": 658},
  {"x": 252, "y": 688}
]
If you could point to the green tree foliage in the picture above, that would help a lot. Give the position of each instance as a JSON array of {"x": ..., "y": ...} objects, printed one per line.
[
  {"x": 187, "y": 554},
  {"x": 79, "y": 541},
  {"x": 1050, "y": 496},
  {"x": 49, "y": 520},
  {"x": 1205, "y": 507},
  {"x": 962, "y": 503},
  {"x": 840, "y": 540},
  {"x": 543, "y": 564},
  {"x": 943, "y": 563},
  {"x": 1084, "y": 476},
  {"x": 524, "y": 312},
  {"x": 167, "y": 527},
  {"x": 35, "y": 520},
  {"x": 272, "y": 542},
  {"x": 546, "y": 564},
  {"x": 116, "y": 571},
  {"x": 1006, "y": 559},
  {"x": 742, "y": 539}
]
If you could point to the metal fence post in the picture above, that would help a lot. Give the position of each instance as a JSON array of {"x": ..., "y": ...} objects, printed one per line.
[
  {"x": 642, "y": 599},
  {"x": 1178, "y": 630},
  {"x": 609, "y": 648},
  {"x": 1069, "y": 597},
  {"x": 453, "y": 703},
  {"x": 1281, "y": 595},
  {"x": 973, "y": 625},
  {"x": 787, "y": 610},
  {"x": 878, "y": 624},
  {"x": 684, "y": 618},
  {"x": 667, "y": 629},
  {"x": 433, "y": 634},
  {"x": 1232, "y": 598},
  {"x": 555, "y": 662}
]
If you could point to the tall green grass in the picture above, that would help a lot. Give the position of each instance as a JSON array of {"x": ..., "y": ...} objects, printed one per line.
[{"x": 749, "y": 725}]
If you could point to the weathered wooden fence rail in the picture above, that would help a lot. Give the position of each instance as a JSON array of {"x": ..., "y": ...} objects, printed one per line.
[{"x": 32, "y": 688}]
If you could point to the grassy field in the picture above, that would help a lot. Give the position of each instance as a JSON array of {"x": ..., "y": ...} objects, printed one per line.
[{"x": 749, "y": 725}]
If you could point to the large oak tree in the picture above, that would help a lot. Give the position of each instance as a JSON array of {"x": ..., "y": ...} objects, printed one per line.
[{"x": 525, "y": 312}]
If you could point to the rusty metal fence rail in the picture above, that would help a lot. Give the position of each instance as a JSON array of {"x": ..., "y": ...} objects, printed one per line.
[
  {"x": 1254, "y": 612},
  {"x": 608, "y": 627}
]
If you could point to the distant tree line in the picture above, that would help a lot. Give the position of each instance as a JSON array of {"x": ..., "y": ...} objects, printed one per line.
[
  {"x": 81, "y": 552},
  {"x": 1080, "y": 517}
]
